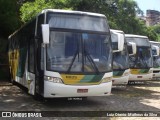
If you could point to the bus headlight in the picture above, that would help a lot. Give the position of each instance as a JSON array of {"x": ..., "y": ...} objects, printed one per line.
[
  {"x": 53, "y": 79},
  {"x": 126, "y": 74},
  {"x": 150, "y": 71},
  {"x": 106, "y": 79}
]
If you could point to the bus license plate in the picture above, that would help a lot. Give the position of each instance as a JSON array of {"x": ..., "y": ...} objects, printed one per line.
[
  {"x": 82, "y": 90},
  {"x": 139, "y": 76}
]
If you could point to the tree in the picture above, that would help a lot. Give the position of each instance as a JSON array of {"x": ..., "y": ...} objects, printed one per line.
[
  {"x": 121, "y": 14},
  {"x": 156, "y": 29},
  {"x": 30, "y": 9},
  {"x": 8, "y": 17}
]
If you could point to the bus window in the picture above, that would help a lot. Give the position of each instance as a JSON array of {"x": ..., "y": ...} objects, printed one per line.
[{"x": 31, "y": 58}]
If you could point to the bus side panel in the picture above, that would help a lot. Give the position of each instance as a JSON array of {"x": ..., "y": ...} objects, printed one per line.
[
  {"x": 14, "y": 63},
  {"x": 122, "y": 79},
  {"x": 22, "y": 67}
]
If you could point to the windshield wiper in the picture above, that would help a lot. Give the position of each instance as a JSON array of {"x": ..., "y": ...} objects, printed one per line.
[
  {"x": 75, "y": 55},
  {"x": 91, "y": 61}
]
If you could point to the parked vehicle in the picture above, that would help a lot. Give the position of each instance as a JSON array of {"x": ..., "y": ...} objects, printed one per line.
[
  {"x": 141, "y": 64},
  {"x": 120, "y": 60},
  {"x": 156, "y": 58},
  {"x": 63, "y": 53}
]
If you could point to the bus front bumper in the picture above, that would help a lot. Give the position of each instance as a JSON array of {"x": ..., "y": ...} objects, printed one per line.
[
  {"x": 120, "y": 80},
  {"x": 133, "y": 77},
  {"x": 55, "y": 90},
  {"x": 156, "y": 73}
]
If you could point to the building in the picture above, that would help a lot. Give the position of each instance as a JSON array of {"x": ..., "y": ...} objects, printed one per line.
[{"x": 152, "y": 17}]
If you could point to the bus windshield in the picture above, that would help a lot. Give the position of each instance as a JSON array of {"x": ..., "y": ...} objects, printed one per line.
[
  {"x": 143, "y": 58},
  {"x": 78, "y": 44},
  {"x": 78, "y": 52},
  {"x": 120, "y": 59},
  {"x": 156, "y": 59}
]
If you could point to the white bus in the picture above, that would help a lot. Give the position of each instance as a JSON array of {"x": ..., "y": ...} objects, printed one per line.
[
  {"x": 156, "y": 58},
  {"x": 121, "y": 69},
  {"x": 141, "y": 64},
  {"x": 63, "y": 53}
]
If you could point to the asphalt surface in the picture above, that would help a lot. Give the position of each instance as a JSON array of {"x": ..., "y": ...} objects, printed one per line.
[{"x": 138, "y": 97}]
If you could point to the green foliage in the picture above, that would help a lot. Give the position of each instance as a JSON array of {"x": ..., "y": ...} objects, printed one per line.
[
  {"x": 31, "y": 9},
  {"x": 8, "y": 17},
  {"x": 124, "y": 16},
  {"x": 9, "y": 22},
  {"x": 3, "y": 45},
  {"x": 156, "y": 30},
  {"x": 121, "y": 14}
]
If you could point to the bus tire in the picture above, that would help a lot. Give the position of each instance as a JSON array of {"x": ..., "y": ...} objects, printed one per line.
[
  {"x": 38, "y": 97},
  {"x": 84, "y": 98}
]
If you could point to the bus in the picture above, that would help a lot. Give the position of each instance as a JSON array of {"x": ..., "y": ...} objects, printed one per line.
[
  {"x": 156, "y": 59},
  {"x": 141, "y": 64},
  {"x": 62, "y": 53},
  {"x": 121, "y": 69}
]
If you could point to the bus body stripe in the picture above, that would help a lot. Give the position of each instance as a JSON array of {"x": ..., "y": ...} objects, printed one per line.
[
  {"x": 81, "y": 79},
  {"x": 139, "y": 71}
]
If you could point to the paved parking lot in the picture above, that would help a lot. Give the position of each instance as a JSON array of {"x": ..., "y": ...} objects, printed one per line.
[{"x": 144, "y": 96}]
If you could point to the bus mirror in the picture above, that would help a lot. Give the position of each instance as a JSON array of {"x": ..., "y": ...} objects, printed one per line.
[
  {"x": 120, "y": 42},
  {"x": 45, "y": 33},
  {"x": 132, "y": 48},
  {"x": 117, "y": 41},
  {"x": 155, "y": 50}
]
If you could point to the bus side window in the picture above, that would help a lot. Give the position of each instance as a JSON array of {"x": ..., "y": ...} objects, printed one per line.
[
  {"x": 40, "y": 47},
  {"x": 31, "y": 56},
  {"x": 42, "y": 58}
]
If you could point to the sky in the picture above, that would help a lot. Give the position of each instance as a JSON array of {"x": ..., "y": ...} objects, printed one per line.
[{"x": 148, "y": 4}]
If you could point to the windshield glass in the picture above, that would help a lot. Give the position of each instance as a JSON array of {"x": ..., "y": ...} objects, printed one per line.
[
  {"x": 143, "y": 56},
  {"x": 77, "y": 21},
  {"x": 142, "y": 59},
  {"x": 79, "y": 52},
  {"x": 156, "y": 59},
  {"x": 120, "y": 59}
]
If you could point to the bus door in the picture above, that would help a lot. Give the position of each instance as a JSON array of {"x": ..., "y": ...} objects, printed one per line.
[{"x": 39, "y": 72}]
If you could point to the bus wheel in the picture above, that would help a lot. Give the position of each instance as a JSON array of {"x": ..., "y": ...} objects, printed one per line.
[
  {"x": 38, "y": 97},
  {"x": 84, "y": 98}
]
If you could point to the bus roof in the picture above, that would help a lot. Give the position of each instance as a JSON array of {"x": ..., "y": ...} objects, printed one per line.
[
  {"x": 155, "y": 42},
  {"x": 138, "y": 36},
  {"x": 72, "y": 12},
  {"x": 62, "y": 11},
  {"x": 118, "y": 31}
]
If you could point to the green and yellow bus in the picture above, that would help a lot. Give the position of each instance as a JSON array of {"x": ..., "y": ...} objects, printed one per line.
[
  {"x": 156, "y": 58},
  {"x": 63, "y": 53},
  {"x": 141, "y": 64},
  {"x": 121, "y": 69}
]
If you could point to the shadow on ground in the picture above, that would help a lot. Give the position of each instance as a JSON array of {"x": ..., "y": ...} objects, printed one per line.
[{"x": 133, "y": 98}]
